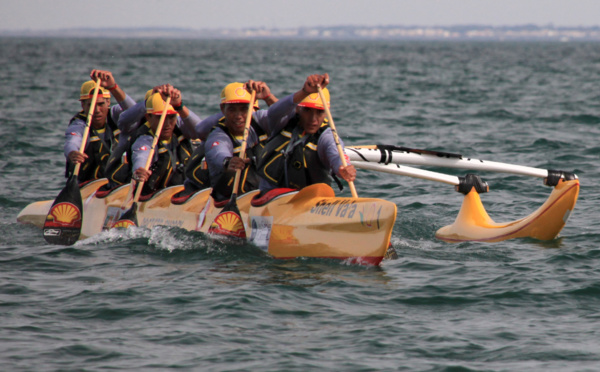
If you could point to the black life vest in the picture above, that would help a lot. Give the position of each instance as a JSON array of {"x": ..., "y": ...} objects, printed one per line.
[
  {"x": 98, "y": 149},
  {"x": 118, "y": 166},
  {"x": 248, "y": 178},
  {"x": 168, "y": 170},
  {"x": 196, "y": 171},
  {"x": 289, "y": 160}
]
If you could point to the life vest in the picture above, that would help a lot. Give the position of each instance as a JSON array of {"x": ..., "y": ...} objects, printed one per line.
[
  {"x": 97, "y": 149},
  {"x": 173, "y": 154},
  {"x": 118, "y": 166},
  {"x": 248, "y": 178},
  {"x": 196, "y": 170},
  {"x": 289, "y": 160}
]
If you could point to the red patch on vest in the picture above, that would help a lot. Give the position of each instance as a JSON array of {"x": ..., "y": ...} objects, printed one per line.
[
  {"x": 73, "y": 133},
  {"x": 143, "y": 148},
  {"x": 216, "y": 143}
]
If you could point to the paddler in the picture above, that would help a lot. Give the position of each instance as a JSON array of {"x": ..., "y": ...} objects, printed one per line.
[
  {"x": 172, "y": 151},
  {"x": 118, "y": 169},
  {"x": 103, "y": 135},
  {"x": 223, "y": 143},
  {"x": 301, "y": 150}
]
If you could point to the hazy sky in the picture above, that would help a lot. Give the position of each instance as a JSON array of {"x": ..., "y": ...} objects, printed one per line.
[{"x": 211, "y": 14}]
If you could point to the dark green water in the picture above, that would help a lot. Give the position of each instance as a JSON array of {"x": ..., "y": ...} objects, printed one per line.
[{"x": 169, "y": 299}]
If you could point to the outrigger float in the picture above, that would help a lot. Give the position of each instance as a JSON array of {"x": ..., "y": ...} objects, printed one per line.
[
  {"x": 313, "y": 222},
  {"x": 473, "y": 222}
]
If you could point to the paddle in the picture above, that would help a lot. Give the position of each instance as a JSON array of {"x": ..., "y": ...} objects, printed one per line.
[
  {"x": 336, "y": 138},
  {"x": 229, "y": 221},
  {"x": 63, "y": 222},
  {"x": 400, "y": 155},
  {"x": 129, "y": 218}
]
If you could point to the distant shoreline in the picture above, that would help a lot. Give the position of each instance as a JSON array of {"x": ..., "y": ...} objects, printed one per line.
[{"x": 466, "y": 32}]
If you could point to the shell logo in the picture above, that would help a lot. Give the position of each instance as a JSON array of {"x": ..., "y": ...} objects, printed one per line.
[
  {"x": 315, "y": 99},
  {"x": 240, "y": 91},
  {"x": 65, "y": 214},
  {"x": 124, "y": 224},
  {"x": 228, "y": 223}
]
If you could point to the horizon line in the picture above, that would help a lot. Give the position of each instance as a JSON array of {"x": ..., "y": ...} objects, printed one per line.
[{"x": 457, "y": 25}]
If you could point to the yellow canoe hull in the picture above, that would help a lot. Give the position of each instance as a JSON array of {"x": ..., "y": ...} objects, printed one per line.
[
  {"x": 312, "y": 222},
  {"x": 474, "y": 224},
  {"x": 35, "y": 213}
]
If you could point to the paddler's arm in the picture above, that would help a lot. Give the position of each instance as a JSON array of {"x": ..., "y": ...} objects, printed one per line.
[
  {"x": 129, "y": 119},
  {"x": 188, "y": 124},
  {"x": 310, "y": 86},
  {"x": 108, "y": 81},
  {"x": 202, "y": 129},
  {"x": 73, "y": 137},
  {"x": 139, "y": 156},
  {"x": 280, "y": 113},
  {"x": 348, "y": 172},
  {"x": 262, "y": 119},
  {"x": 263, "y": 92},
  {"x": 187, "y": 119},
  {"x": 330, "y": 157},
  {"x": 237, "y": 163},
  {"x": 219, "y": 154}
]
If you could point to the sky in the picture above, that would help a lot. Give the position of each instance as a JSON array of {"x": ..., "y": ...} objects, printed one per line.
[{"x": 233, "y": 14}]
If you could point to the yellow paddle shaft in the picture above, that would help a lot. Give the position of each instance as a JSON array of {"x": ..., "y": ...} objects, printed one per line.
[
  {"x": 336, "y": 138},
  {"x": 238, "y": 173},
  {"x": 88, "y": 122},
  {"x": 163, "y": 116}
]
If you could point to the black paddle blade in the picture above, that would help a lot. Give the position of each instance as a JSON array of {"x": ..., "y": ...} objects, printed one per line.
[
  {"x": 229, "y": 221},
  {"x": 128, "y": 219},
  {"x": 63, "y": 222}
]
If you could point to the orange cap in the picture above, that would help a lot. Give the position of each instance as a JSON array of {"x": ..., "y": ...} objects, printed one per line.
[
  {"x": 314, "y": 101},
  {"x": 155, "y": 105},
  {"x": 87, "y": 91},
  {"x": 148, "y": 94},
  {"x": 235, "y": 93}
]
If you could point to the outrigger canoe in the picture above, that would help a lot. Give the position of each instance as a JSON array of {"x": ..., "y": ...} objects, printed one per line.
[
  {"x": 312, "y": 222},
  {"x": 473, "y": 222}
]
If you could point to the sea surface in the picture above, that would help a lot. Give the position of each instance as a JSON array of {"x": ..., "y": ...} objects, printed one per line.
[{"x": 168, "y": 299}]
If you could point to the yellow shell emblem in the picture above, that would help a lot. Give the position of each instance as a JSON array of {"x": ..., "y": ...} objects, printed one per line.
[
  {"x": 124, "y": 224},
  {"x": 228, "y": 223},
  {"x": 65, "y": 214}
]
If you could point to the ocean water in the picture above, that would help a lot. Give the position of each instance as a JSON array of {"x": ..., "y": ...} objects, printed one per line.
[{"x": 168, "y": 299}]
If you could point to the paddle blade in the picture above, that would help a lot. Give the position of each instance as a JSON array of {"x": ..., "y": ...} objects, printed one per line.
[
  {"x": 63, "y": 222},
  {"x": 128, "y": 219},
  {"x": 229, "y": 221}
]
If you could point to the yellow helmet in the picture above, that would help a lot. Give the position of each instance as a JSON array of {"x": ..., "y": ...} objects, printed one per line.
[
  {"x": 314, "y": 101},
  {"x": 235, "y": 93},
  {"x": 148, "y": 94},
  {"x": 155, "y": 105},
  {"x": 87, "y": 91}
]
